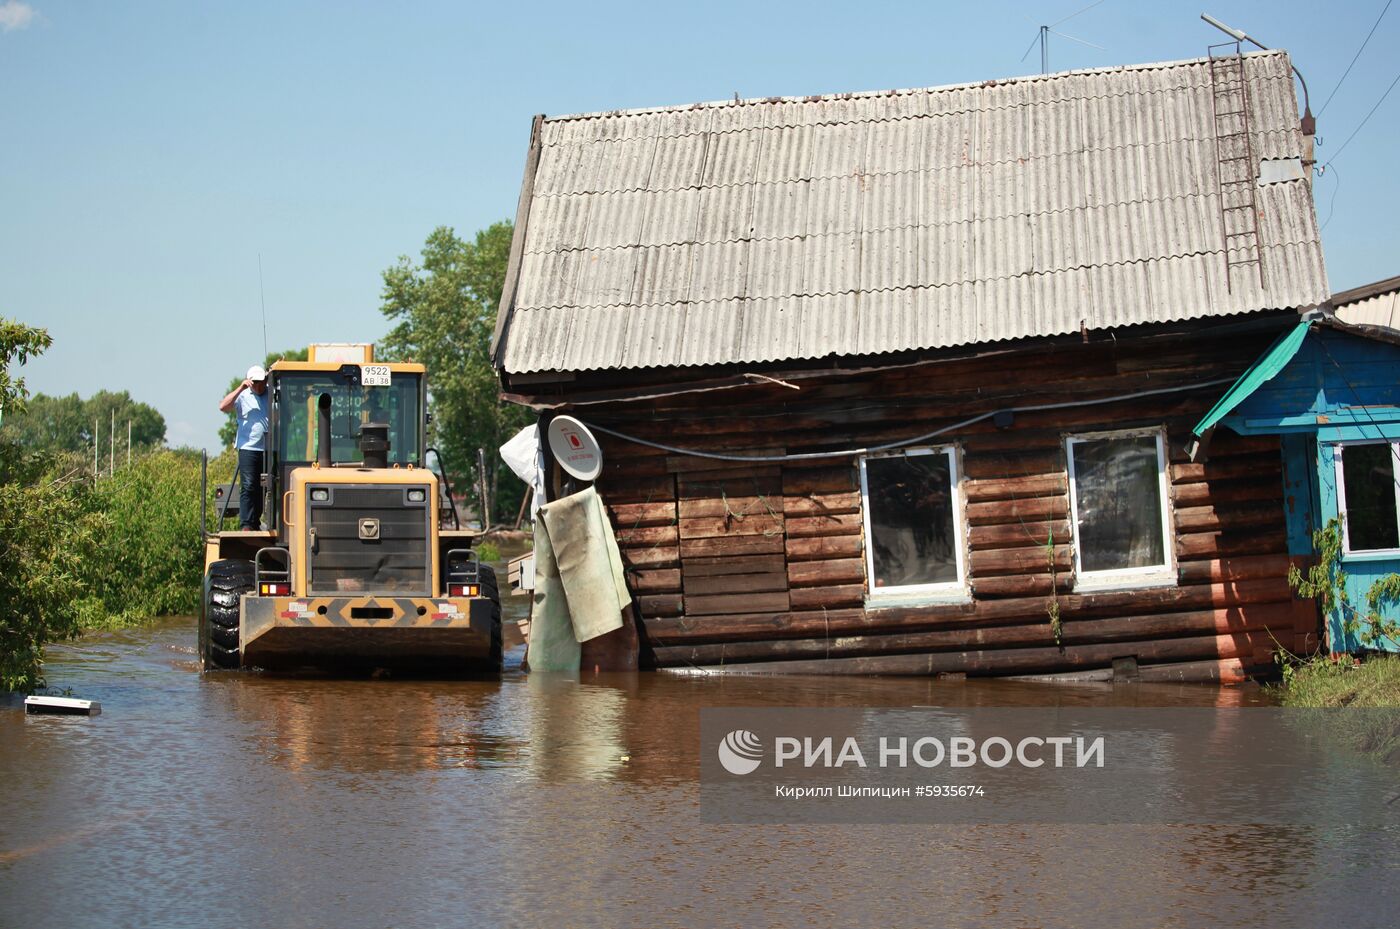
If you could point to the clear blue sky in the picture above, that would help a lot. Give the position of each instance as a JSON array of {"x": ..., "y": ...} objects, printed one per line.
[{"x": 149, "y": 151}]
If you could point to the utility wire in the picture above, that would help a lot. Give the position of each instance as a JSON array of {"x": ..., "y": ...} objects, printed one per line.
[
  {"x": 262, "y": 297},
  {"x": 1073, "y": 15},
  {"x": 914, "y": 440},
  {"x": 1339, "y": 151},
  {"x": 1332, "y": 203},
  {"x": 1354, "y": 57}
]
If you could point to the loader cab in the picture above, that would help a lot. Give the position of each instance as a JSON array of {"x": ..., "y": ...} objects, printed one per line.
[{"x": 296, "y": 389}]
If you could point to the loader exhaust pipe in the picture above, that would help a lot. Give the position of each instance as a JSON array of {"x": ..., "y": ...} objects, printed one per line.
[{"x": 323, "y": 431}]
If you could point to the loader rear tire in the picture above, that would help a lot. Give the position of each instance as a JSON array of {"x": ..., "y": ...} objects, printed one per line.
[
  {"x": 226, "y": 582},
  {"x": 492, "y": 591}
]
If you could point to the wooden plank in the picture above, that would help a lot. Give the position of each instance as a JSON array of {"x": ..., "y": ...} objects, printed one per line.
[
  {"x": 654, "y": 556},
  {"x": 691, "y": 465},
  {"x": 1127, "y": 629},
  {"x": 764, "y": 482},
  {"x": 1230, "y": 517},
  {"x": 1015, "y": 488},
  {"x": 1034, "y": 560},
  {"x": 703, "y": 507},
  {"x": 1202, "y": 493},
  {"x": 821, "y": 480},
  {"x": 659, "y": 580},
  {"x": 826, "y": 573},
  {"x": 819, "y": 547},
  {"x": 730, "y": 546},
  {"x": 1253, "y": 467},
  {"x": 816, "y": 504},
  {"x": 979, "y": 463},
  {"x": 1030, "y": 509},
  {"x": 736, "y": 583},
  {"x": 1020, "y": 585},
  {"x": 720, "y": 526},
  {"x": 1237, "y": 568},
  {"x": 724, "y": 567},
  {"x": 1196, "y": 545},
  {"x": 646, "y": 536},
  {"x": 661, "y": 605},
  {"x": 801, "y": 527},
  {"x": 638, "y": 515},
  {"x": 1017, "y": 535},
  {"x": 625, "y": 485},
  {"x": 813, "y": 598},
  {"x": 1243, "y": 646},
  {"x": 736, "y": 603}
]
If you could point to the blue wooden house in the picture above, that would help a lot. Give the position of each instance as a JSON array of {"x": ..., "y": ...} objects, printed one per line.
[{"x": 1330, "y": 389}]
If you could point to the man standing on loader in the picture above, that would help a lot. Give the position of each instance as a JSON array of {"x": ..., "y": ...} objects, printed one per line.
[{"x": 250, "y": 399}]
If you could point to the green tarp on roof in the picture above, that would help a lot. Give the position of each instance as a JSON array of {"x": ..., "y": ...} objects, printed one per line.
[{"x": 1271, "y": 363}]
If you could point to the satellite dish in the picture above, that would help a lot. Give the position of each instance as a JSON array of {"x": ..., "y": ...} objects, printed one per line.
[{"x": 575, "y": 448}]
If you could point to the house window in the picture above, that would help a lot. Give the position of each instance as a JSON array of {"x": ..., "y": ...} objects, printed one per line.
[
  {"x": 1366, "y": 493},
  {"x": 1118, "y": 510},
  {"x": 913, "y": 523}
]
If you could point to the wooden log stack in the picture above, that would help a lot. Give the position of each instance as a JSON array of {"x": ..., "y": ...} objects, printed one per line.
[{"x": 760, "y": 565}]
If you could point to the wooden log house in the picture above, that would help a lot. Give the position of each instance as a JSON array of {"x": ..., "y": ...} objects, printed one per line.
[{"x": 903, "y": 382}]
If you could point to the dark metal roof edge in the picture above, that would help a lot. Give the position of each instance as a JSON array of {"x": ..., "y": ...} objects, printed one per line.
[
  {"x": 505, "y": 308},
  {"x": 1365, "y": 292},
  {"x": 1361, "y": 330}
]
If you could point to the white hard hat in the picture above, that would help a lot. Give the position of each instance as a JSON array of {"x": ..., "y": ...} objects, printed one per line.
[{"x": 256, "y": 373}]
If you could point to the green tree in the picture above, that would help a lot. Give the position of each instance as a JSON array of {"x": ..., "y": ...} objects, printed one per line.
[
  {"x": 65, "y": 424},
  {"x": 229, "y": 431},
  {"x": 444, "y": 312},
  {"x": 44, "y": 533},
  {"x": 17, "y": 343}
]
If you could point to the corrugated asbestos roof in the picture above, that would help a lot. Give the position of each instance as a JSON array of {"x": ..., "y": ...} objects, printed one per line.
[
  {"x": 771, "y": 230},
  {"x": 1375, "y": 304}
]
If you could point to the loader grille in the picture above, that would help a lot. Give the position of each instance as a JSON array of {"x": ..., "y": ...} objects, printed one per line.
[{"x": 370, "y": 539}]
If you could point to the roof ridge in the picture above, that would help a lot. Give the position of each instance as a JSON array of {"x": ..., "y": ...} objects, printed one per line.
[{"x": 938, "y": 88}]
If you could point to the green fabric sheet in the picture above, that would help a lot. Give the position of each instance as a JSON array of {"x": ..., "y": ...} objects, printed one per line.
[{"x": 580, "y": 590}]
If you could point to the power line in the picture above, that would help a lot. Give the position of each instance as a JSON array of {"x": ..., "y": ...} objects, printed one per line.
[
  {"x": 1363, "y": 122},
  {"x": 1332, "y": 204},
  {"x": 1073, "y": 15},
  {"x": 1354, "y": 57}
]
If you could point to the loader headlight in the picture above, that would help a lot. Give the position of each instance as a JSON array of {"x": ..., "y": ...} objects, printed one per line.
[
  {"x": 320, "y": 495},
  {"x": 417, "y": 496}
]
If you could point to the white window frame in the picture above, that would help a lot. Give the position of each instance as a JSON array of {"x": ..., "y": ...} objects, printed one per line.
[
  {"x": 1163, "y": 575},
  {"x": 1338, "y": 453},
  {"x": 946, "y": 590}
]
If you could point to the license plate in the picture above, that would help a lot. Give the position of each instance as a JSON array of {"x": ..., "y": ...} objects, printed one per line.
[{"x": 374, "y": 375}]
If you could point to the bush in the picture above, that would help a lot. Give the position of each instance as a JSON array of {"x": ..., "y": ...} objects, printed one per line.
[
  {"x": 46, "y": 546},
  {"x": 149, "y": 558}
]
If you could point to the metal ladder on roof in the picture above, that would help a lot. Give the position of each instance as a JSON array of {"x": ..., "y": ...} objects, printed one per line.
[{"x": 1236, "y": 169}]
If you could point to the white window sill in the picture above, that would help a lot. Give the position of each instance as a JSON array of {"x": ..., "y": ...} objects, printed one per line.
[
  {"x": 1108, "y": 582},
  {"x": 1382, "y": 555},
  {"x": 960, "y": 596}
]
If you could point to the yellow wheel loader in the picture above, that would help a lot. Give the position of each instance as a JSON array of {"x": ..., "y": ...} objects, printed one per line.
[{"x": 354, "y": 571}]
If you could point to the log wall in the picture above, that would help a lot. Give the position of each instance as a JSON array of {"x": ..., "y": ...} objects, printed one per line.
[{"x": 762, "y": 564}]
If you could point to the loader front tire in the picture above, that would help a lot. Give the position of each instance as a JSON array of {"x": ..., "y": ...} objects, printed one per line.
[{"x": 227, "y": 581}]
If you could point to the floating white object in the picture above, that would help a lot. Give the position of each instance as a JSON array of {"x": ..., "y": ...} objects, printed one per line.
[{"x": 64, "y": 706}]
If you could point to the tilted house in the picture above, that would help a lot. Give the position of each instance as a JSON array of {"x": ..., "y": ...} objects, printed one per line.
[{"x": 903, "y": 381}]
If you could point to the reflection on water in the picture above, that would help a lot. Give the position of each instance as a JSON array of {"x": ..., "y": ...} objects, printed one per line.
[{"x": 235, "y": 799}]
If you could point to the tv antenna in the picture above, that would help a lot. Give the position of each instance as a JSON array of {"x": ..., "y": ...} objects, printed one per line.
[{"x": 1043, "y": 38}]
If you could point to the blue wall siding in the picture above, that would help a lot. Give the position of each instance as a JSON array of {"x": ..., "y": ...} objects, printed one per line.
[{"x": 1338, "y": 388}]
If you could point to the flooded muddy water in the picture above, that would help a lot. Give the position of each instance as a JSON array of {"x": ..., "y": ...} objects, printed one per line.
[{"x": 242, "y": 800}]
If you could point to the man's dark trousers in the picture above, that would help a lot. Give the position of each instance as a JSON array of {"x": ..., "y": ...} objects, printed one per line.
[{"x": 250, "y": 501}]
